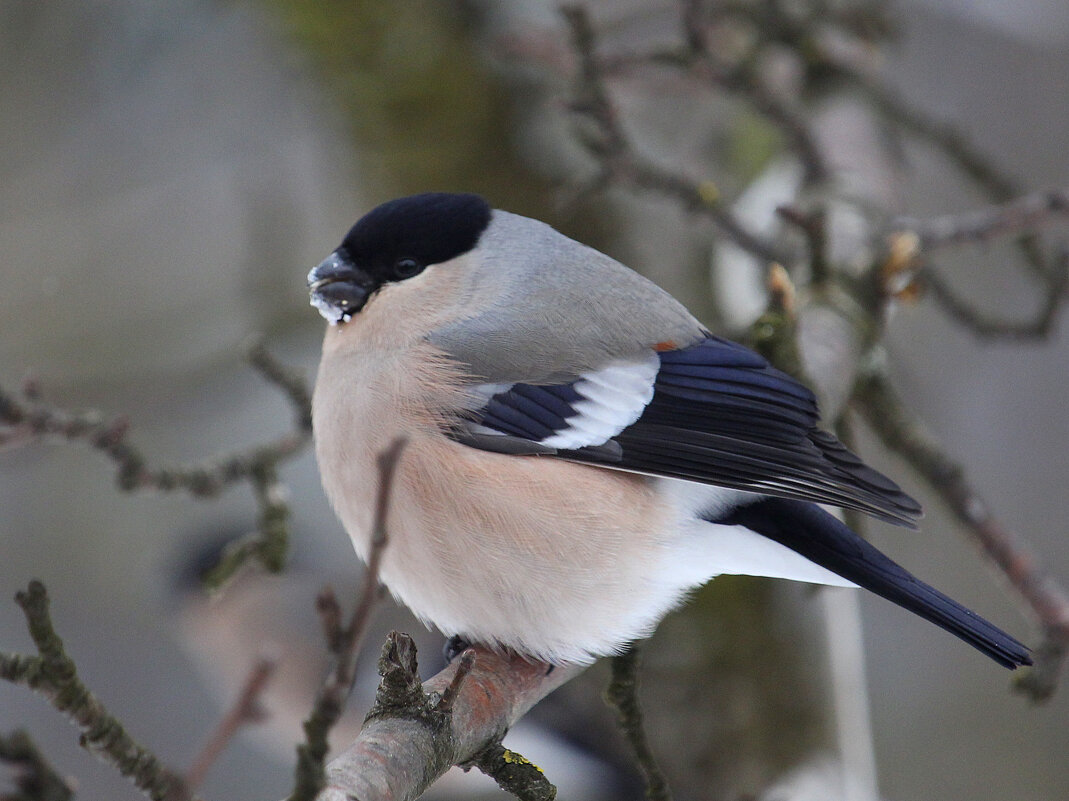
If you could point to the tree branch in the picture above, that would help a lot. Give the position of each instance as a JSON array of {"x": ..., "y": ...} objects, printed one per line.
[
  {"x": 618, "y": 159},
  {"x": 408, "y": 741},
  {"x": 35, "y": 778},
  {"x": 953, "y": 143},
  {"x": 28, "y": 419},
  {"x": 246, "y": 710},
  {"x": 53, "y": 675},
  {"x": 1039, "y": 327},
  {"x": 1023, "y": 214}
]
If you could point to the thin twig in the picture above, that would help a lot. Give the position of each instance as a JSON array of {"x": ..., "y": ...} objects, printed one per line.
[
  {"x": 330, "y": 702},
  {"x": 205, "y": 479},
  {"x": 989, "y": 327},
  {"x": 1015, "y": 558},
  {"x": 696, "y": 59},
  {"x": 948, "y": 138},
  {"x": 1020, "y": 215},
  {"x": 35, "y": 779},
  {"x": 330, "y": 618},
  {"x": 953, "y": 143},
  {"x": 246, "y": 710},
  {"x": 292, "y": 382},
  {"x": 813, "y": 225},
  {"x": 618, "y": 159},
  {"x": 622, "y": 695},
  {"x": 52, "y": 674},
  {"x": 27, "y": 419},
  {"x": 743, "y": 81},
  {"x": 464, "y": 666}
]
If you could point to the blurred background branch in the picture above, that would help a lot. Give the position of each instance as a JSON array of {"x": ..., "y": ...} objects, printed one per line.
[
  {"x": 28, "y": 418},
  {"x": 866, "y": 294}
]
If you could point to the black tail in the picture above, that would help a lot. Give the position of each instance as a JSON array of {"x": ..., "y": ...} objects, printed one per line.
[{"x": 809, "y": 530}]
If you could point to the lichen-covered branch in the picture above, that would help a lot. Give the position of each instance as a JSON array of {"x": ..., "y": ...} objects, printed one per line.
[
  {"x": 34, "y": 778},
  {"x": 409, "y": 740},
  {"x": 25, "y": 418},
  {"x": 899, "y": 430},
  {"x": 515, "y": 774},
  {"x": 52, "y": 674}
]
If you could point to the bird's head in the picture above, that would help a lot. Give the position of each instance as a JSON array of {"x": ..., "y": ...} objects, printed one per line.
[{"x": 392, "y": 243}]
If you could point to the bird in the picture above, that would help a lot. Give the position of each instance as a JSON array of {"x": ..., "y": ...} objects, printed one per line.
[{"x": 582, "y": 453}]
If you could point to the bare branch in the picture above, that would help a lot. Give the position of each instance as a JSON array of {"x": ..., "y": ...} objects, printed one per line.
[
  {"x": 1039, "y": 327},
  {"x": 27, "y": 419},
  {"x": 696, "y": 59},
  {"x": 35, "y": 779},
  {"x": 246, "y": 710},
  {"x": 951, "y": 141},
  {"x": 292, "y": 382},
  {"x": 954, "y": 144},
  {"x": 622, "y": 695},
  {"x": 1014, "y": 557},
  {"x": 618, "y": 159},
  {"x": 53, "y": 675},
  {"x": 1021, "y": 215},
  {"x": 812, "y": 224}
]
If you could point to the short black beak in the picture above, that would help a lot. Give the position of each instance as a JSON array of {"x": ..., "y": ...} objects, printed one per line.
[{"x": 337, "y": 283}]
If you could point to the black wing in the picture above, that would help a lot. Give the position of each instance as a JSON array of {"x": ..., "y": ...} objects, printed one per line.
[{"x": 715, "y": 413}]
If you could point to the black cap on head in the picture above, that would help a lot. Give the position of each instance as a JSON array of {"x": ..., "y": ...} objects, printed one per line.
[{"x": 428, "y": 228}]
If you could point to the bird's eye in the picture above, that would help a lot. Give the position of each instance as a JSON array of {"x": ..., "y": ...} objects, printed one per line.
[{"x": 406, "y": 268}]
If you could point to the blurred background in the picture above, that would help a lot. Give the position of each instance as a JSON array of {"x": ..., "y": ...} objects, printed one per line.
[{"x": 170, "y": 171}]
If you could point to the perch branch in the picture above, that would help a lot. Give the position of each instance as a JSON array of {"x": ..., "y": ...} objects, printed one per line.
[{"x": 408, "y": 740}]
